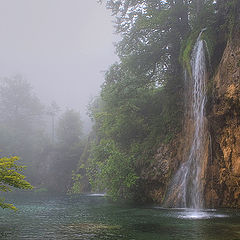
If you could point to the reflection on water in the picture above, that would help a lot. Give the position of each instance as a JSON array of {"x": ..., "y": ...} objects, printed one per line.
[
  {"x": 187, "y": 213},
  {"x": 201, "y": 215},
  {"x": 96, "y": 195},
  {"x": 92, "y": 217}
]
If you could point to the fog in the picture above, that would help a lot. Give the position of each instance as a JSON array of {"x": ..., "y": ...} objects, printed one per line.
[{"x": 62, "y": 47}]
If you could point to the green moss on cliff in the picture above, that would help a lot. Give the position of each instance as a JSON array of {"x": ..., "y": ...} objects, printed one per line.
[
  {"x": 186, "y": 51},
  {"x": 209, "y": 37}
]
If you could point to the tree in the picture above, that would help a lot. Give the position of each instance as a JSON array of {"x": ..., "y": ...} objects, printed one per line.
[
  {"x": 61, "y": 159},
  {"x": 18, "y": 104},
  {"x": 69, "y": 128},
  {"x": 52, "y": 111},
  {"x": 112, "y": 170},
  {"x": 142, "y": 98},
  {"x": 10, "y": 177},
  {"x": 22, "y": 129},
  {"x": 20, "y": 118}
]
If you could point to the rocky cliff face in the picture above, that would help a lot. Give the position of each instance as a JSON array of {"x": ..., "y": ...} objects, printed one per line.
[
  {"x": 158, "y": 174},
  {"x": 223, "y": 172}
]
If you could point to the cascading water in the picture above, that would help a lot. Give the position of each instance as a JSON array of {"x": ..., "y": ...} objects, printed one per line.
[{"x": 186, "y": 188}]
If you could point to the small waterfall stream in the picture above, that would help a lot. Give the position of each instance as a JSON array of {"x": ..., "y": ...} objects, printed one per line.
[{"x": 186, "y": 188}]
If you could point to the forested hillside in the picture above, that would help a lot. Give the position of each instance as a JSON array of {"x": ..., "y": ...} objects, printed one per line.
[
  {"x": 49, "y": 143},
  {"x": 140, "y": 114}
]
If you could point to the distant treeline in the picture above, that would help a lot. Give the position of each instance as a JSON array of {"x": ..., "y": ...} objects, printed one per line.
[{"x": 48, "y": 143}]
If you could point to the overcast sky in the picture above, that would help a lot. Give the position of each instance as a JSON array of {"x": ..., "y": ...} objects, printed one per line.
[{"x": 60, "y": 46}]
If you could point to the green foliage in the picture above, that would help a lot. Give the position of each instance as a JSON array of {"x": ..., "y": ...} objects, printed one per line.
[
  {"x": 112, "y": 170},
  {"x": 186, "y": 51},
  {"x": 141, "y": 100},
  {"x": 69, "y": 128},
  {"x": 220, "y": 19},
  {"x": 21, "y": 124},
  {"x": 134, "y": 117},
  {"x": 59, "y": 160},
  {"x": 79, "y": 176},
  {"x": 209, "y": 37},
  {"x": 10, "y": 177},
  {"x": 228, "y": 17},
  {"x": 23, "y": 133},
  {"x": 7, "y": 205}
]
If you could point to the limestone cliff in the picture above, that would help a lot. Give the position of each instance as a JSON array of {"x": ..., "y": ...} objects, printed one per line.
[
  {"x": 158, "y": 174},
  {"x": 223, "y": 172}
]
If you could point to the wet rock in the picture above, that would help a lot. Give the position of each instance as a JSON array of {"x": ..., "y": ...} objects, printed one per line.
[
  {"x": 224, "y": 122},
  {"x": 221, "y": 170}
]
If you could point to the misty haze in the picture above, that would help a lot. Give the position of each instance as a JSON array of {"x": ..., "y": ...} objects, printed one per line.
[
  {"x": 62, "y": 48},
  {"x": 119, "y": 119}
]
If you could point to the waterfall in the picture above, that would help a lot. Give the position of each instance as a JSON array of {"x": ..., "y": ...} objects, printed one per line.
[{"x": 186, "y": 188}]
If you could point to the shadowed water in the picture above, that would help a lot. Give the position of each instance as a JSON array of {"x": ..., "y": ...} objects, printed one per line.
[{"x": 94, "y": 218}]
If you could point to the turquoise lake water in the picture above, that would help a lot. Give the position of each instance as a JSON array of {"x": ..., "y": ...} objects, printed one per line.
[{"x": 92, "y": 217}]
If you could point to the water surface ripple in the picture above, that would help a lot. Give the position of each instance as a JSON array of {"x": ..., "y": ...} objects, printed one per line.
[{"x": 87, "y": 217}]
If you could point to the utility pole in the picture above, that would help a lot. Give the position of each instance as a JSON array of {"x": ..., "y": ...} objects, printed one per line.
[
  {"x": 53, "y": 111},
  {"x": 53, "y": 128}
]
